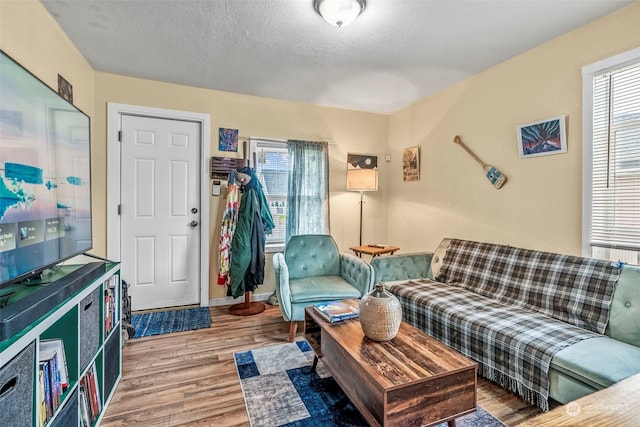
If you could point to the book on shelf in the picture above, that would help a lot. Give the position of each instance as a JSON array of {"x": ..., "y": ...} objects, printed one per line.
[
  {"x": 42, "y": 402},
  {"x": 85, "y": 417},
  {"x": 339, "y": 310},
  {"x": 57, "y": 345},
  {"x": 50, "y": 363},
  {"x": 46, "y": 374},
  {"x": 108, "y": 310},
  {"x": 95, "y": 390},
  {"x": 110, "y": 303},
  {"x": 91, "y": 392}
]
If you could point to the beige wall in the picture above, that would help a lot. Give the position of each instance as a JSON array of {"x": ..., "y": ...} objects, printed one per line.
[
  {"x": 540, "y": 206},
  {"x": 31, "y": 36},
  {"x": 346, "y": 131}
]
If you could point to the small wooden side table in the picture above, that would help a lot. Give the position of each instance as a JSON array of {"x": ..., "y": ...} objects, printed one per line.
[{"x": 374, "y": 251}]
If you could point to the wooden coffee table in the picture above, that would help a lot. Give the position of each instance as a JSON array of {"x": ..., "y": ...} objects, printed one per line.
[{"x": 411, "y": 380}]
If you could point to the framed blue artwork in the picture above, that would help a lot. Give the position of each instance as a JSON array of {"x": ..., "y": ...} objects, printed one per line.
[
  {"x": 542, "y": 138},
  {"x": 228, "y": 140}
]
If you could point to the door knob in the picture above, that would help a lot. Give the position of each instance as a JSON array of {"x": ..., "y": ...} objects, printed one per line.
[{"x": 193, "y": 224}]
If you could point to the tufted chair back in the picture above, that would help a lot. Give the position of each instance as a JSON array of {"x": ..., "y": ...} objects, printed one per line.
[{"x": 312, "y": 255}]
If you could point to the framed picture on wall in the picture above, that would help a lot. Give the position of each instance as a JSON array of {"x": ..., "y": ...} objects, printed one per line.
[
  {"x": 65, "y": 89},
  {"x": 542, "y": 138},
  {"x": 362, "y": 172},
  {"x": 228, "y": 140},
  {"x": 411, "y": 164}
]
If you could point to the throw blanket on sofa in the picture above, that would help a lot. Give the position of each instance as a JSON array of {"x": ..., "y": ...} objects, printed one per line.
[
  {"x": 512, "y": 346},
  {"x": 573, "y": 289}
]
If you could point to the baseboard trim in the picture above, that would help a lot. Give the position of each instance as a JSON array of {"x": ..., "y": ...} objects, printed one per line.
[{"x": 231, "y": 300}]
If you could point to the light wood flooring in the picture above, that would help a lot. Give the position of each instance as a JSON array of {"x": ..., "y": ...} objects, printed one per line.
[{"x": 189, "y": 378}]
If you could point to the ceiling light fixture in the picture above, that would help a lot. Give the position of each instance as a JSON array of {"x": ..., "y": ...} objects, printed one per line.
[{"x": 339, "y": 13}]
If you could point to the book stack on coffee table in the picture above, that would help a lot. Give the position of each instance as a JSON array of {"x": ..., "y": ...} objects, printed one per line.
[{"x": 337, "y": 311}]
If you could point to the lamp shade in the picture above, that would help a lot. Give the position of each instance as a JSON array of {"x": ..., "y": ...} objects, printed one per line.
[
  {"x": 339, "y": 13},
  {"x": 362, "y": 179}
]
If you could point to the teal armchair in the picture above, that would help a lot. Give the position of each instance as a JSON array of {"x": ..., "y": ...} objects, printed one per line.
[{"x": 312, "y": 270}]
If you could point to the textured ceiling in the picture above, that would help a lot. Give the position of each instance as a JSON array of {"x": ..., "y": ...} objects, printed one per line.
[{"x": 395, "y": 53}]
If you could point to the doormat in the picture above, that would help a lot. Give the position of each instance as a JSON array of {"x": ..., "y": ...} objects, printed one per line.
[
  {"x": 166, "y": 322},
  {"x": 280, "y": 390}
]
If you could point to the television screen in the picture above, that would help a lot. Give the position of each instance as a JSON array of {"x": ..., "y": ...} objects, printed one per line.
[{"x": 45, "y": 176}]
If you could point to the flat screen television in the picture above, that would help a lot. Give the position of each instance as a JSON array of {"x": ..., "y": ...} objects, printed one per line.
[{"x": 45, "y": 176}]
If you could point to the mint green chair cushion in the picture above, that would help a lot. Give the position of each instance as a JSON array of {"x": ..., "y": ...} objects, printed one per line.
[{"x": 310, "y": 289}]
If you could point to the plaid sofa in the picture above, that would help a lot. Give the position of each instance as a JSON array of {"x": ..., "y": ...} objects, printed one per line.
[{"x": 544, "y": 325}]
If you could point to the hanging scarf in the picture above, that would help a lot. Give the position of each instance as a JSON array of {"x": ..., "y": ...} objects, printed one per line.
[{"x": 229, "y": 222}]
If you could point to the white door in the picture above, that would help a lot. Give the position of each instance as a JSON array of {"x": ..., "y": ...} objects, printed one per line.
[{"x": 160, "y": 211}]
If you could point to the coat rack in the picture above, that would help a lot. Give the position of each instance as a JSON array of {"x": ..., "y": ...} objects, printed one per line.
[{"x": 248, "y": 307}]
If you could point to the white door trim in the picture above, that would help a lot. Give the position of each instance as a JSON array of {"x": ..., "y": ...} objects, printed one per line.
[{"x": 114, "y": 125}]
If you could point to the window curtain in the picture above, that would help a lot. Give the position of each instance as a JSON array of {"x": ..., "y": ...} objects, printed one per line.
[{"x": 308, "y": 190}]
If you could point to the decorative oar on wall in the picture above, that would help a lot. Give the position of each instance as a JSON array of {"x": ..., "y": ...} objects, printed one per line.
[{"x": 494, "y": 176}]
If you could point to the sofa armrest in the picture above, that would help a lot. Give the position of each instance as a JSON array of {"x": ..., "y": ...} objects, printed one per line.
[
  {"x": 283, "y": 292},
  {"x": 357, "y": 272},
  {"x": 624, "y": 314},
  {"x": 404, "y": 266}
]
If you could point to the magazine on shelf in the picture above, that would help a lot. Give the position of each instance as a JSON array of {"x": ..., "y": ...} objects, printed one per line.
[{"x": 336, "y": 311}]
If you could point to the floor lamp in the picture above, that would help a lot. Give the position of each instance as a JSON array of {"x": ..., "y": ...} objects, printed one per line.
[{"x": 362, "y": 180}]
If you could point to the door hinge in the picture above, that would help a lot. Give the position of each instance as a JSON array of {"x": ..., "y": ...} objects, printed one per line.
[
  {"x": 119, "y": 209},
  {"x": 119, "y": 136}
]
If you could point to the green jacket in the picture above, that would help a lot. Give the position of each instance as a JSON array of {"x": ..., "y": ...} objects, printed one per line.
[{"x": 248, "y": 243}]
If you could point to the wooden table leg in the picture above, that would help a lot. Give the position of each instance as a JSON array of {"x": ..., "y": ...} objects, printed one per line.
[
  {"x": 452, "y": 423},
  {"x": 315, "y": 364}
]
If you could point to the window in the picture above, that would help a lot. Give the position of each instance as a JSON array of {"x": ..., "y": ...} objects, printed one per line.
[
  {"x": 611, "y": 158},
  {"x": 271, "y": 162}
]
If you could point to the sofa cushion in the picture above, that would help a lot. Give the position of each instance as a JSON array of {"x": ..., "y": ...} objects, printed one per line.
[
  {"x": 321, "y": 288},
  {"x": 598, "y": 362},
  {"x": 438, "y": 256}
]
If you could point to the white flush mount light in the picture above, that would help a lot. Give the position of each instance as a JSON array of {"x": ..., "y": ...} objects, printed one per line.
[{"x": 339, "y": 13}]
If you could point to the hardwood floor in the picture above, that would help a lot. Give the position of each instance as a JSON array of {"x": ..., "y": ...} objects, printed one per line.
[{"x": 189, "y": 378}]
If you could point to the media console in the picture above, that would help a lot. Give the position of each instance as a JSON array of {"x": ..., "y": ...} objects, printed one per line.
[{"x": 79, "y": 310}]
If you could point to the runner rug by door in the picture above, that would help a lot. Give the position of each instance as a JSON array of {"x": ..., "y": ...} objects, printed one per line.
[
  {"x": 165, "y": 322},
  {"x": 280, "y": 390}
]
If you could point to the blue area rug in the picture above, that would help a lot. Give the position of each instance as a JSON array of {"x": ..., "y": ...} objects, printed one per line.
[
  {"x": 165, "y": 322},
  {"x": 280, "y": 390}
]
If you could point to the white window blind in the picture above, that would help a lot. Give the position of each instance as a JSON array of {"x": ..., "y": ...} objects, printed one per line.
[
  {"x": 615, "y": 210},
  {"x": 271, "y": 161}
]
